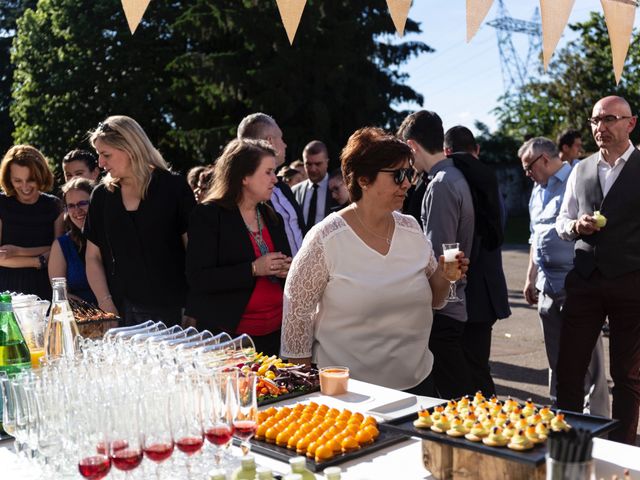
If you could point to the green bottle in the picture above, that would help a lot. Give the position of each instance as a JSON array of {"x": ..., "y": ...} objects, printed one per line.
[
  {"x": 14, "y": 353},
  {"x": 299, "y": 466},
  {"x": 247, "y": 470}
]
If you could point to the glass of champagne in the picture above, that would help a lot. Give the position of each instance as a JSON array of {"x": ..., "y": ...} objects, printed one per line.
[
  {"x": 452, "y": 270},
  {"x": 157, "y": 437},
  {"x": 245, "y": 419},
  {"x": 186, "y": 417}
]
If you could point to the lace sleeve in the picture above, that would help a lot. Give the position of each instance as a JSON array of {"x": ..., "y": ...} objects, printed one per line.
[
  {"x": 305, "y": 285},
  {"x": 432, "y": 263}
]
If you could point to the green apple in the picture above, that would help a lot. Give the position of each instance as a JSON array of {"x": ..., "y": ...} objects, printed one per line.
[{"x": 600, "y": 219}]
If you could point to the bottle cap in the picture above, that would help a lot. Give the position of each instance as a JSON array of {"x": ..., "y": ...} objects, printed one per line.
[
  {"x": 248, "y": 461},
  {"x": 217, "y": 474},
  {"x": 5, "y": 297}
]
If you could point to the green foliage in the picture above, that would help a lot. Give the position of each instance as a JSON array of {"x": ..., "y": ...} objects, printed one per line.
[
  {"x": 76, "y": 63},
  {"x": 10, "y": 11},
  {"x": 497, "y": 147},
  {"x": 580, "y": 74},
  {"x": 194, "y": 68}
]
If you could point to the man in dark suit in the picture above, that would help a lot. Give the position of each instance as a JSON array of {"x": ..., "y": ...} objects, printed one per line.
[
  {"x": 487, "y": 296},
  {"x": 606, "y": 275},
  {"x": 261, "y": 126},
  {"x": 313, "y": 194}
]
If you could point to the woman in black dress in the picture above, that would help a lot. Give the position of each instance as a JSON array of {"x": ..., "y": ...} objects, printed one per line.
[
  {"x": 137, "y": 227},
  {"x": 29, "y": 221}
]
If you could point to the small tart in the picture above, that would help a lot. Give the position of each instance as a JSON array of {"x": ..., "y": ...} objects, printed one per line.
[
  {"x": 441, "y": 425},
  {"x": 333, "y": 445},
  {"x": 546, "y": 414},
  {"x": 451, "y": 405},
  {"x": 478, "y": 398},
  {"x": 509, "y": 405},
  {"x": 520, "y": 442},
  {"x": 500, "y": 419},
  {"x": 529, "y": 408},
  {"x": 542, "y": 429},
  {"x": 470, "y": 420},
  {"x": 349, "y": 444},
  {"x": 364, "y": 438},
  {"x": 532, "y": 435},
  {"x": 496, "y": 438},
  {"x": 534, "y": 419},
  {"x": 558, "y": 423},
  {"x": 477, "y": 433},
  {"x": 516, "y": 414},
  {"x": 373, "y": 430},
  {"x": 313, "y": 446},
  {"x": 508, "y": 429},
  {"x": 423, "y": 422},
  {"x": 457, "y": 428}
]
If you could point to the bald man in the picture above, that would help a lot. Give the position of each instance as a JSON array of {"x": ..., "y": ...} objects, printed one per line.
[{"x": 605, "y": 280}]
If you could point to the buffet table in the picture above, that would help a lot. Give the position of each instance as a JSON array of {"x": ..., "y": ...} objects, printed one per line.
[{"x": 402, "y": 460}]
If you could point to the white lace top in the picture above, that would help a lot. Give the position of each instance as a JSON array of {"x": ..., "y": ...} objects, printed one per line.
[{"x": 347, "y": 304}]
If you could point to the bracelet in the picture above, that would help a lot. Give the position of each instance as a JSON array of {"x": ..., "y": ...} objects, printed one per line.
[
  {"x": 43, "y": 262},
  {"x": 107, "y": 297},
  {"x": 254, "y": 272}
]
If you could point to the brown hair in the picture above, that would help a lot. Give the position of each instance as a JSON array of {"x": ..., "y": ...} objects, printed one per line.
[
  {"x": 368, "y": 151},
  {"x": 239, "y": 159},
  {"x": 30, "y": 157},
  {"x": 84, "y": 185}
]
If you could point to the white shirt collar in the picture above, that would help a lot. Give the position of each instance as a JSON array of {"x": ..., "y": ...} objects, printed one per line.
[
  {"x": 321, "y": 184},
  {"x": 624, "y": 157}
]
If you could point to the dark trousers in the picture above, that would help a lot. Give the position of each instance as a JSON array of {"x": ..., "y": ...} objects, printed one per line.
[
  {"x": 451, "y": 376},
  {"x": 589, "y": 302},
  {"x": 476, "y": 344},
  {"x": 268, "y": 344},
  {"x": 134, "y": 314}
]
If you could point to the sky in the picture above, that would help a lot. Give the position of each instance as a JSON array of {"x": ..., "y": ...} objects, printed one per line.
[{"x": 462, "y": 81}]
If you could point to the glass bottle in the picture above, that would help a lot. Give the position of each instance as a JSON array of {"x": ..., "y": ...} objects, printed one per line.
[
  {"x": 247, "y": 470},
  {"x": 299, "y": 466},
  {"x": 14, "y": 353},
  {"x": 62, "y": 329}
]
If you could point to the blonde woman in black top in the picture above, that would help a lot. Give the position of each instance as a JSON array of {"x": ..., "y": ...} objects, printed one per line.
[{"x": 136, "y": 227}]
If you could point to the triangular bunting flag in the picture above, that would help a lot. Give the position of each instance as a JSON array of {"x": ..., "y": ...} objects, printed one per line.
[
  {"x": 619, "y": 15},
  {"x": 399, "y": 10},
  {"x": 291, "y": 13},
  {"x": 476, "y": 12},
  {"x": 555, "y": 15},
  {"x": 134, "y": 11}
]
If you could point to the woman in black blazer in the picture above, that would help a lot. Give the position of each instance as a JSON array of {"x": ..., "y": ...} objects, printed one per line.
[{"x": 238, "y": 255}]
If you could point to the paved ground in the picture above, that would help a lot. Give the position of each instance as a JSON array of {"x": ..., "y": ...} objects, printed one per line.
[{"x": 518, "y": 359}]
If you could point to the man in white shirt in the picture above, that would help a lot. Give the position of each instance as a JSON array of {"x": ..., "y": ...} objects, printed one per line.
[
  {"x": 605, "y": 279},
  {"x": 261, "y": 126},
  {"x": 313, "y": 194}
]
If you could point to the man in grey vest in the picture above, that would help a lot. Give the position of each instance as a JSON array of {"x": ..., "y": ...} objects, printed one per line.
[{"x": 605, "y": 280}]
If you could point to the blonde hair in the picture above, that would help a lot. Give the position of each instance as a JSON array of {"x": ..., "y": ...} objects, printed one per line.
[
  {"x": 25, "y": 156},
  {"x": 124, "y": 133}
]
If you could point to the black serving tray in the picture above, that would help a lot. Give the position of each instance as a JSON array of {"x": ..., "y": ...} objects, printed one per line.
[
  {"x": 385, "y": 439},
  {"x": 287, "y": 396},
  {"x": 598, "y": 426}
]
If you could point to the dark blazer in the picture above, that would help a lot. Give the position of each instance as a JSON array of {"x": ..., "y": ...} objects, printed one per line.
[
  {"x": 413, "y": 201},
  {"x": 219, "y": 256},
  {"x": 286, "y": 190},
  {"x": 300, "y": 191}
]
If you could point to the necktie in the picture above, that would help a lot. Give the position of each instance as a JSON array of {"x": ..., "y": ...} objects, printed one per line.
[{"x": 313, "y": 206}]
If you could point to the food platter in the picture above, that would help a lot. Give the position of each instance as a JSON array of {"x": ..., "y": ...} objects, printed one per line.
[{"x": 598, "y": 426}]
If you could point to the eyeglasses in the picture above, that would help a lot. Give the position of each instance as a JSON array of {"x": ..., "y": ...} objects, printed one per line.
[
  {"x": 73, "y": 206},
  {"x": 606, "y": 119},
  {"x": 399, "y": 174},
  {"x": 528, "y": 168}
]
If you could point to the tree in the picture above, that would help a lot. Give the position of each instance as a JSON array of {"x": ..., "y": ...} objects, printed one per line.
[
  {"x": 10, "y": 11},
  {"x": 194, "y": 68},
  {"x": 579, "y": 76}
]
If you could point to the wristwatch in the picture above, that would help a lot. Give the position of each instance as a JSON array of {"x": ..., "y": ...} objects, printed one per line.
[{"x": 43, "y": 262}]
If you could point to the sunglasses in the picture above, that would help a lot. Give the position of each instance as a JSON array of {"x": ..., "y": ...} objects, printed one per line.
[
  {"x": 72, "y": 206},
  {"x": 399, "y": 174},
  {"x": 104, "y": 127}
]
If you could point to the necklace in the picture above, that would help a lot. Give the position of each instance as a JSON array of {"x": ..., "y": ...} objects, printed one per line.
[
  {"x": 387, "y": 239},
  {"x": 257, "y": 236}
]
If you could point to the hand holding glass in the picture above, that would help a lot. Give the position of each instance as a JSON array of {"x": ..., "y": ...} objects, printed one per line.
[{"x": 452, "y": 271}]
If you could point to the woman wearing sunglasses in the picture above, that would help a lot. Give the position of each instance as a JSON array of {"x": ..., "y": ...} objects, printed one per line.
[
  {"x": 361, "y": 290},
  {"x": 30, "y": 220},
  {"x": 67, "y": 252}
]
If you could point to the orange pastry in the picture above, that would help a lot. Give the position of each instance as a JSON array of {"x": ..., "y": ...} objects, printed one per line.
[
  {"x": 373, "y": 431},
  {"x": 323, "y": 453},
  {"x": 364, "y": 438},
  {"x": 349, "y": 444}
]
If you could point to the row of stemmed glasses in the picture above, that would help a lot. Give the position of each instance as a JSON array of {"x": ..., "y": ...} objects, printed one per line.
[{"x": 131, "y": 395}]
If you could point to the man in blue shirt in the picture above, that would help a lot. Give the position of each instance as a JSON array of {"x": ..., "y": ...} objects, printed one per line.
[{"x": 550, "y": 259}]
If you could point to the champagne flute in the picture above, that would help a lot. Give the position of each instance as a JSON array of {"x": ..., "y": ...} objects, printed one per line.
[
  {"x": 125, "y": 445},
  {"x": 186, "y": 416},
  {"x": 245, "y": 420},
  {"x": 452, "y": 270},
  {"x": 157, "y": 437},
  {"x": 219, "y": 417},
  {"x": 94, "y": 462}
]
